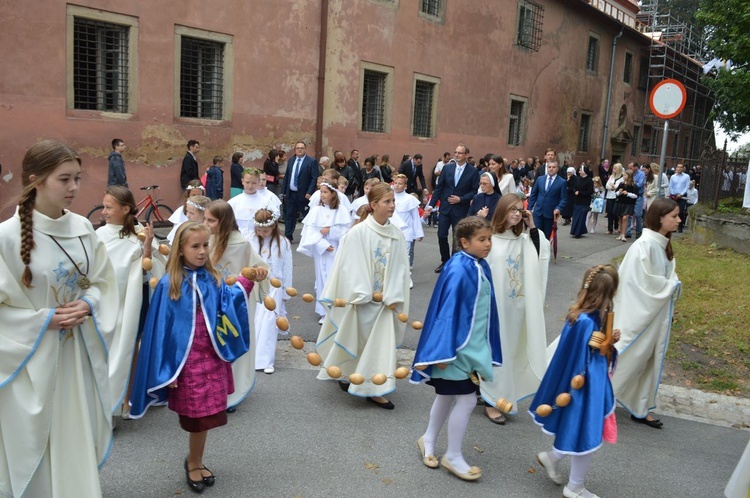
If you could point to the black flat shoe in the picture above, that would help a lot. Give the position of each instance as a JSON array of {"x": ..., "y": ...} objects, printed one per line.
[
  {"x": 208, "y": 480},
  {"x": 386, "y": 406},
  {"x": 195, "y": 486},
  {"x": 231, "y": 409},
  {"x": 439, "y": 268},
  {"x": 344, "y": 386},
  {"x": 656, "y": 423}
]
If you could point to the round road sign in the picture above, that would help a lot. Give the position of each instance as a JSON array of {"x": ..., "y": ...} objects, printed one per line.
[{"x": 667, "y": 99}]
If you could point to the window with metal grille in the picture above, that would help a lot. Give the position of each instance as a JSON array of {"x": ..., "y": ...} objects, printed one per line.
[
  {"x": 515, "y": 122},
  {"x": 584, "y": 133},
  {"x": 592, "y": 56},
  {"x": 636, "y": 138},
  {"x": 100, "y": 65},
  {"x": 627, "y": 73},
  {"x": 424, "y": 96},
  {"x": 430, "y": 7},
  {"x": 529, "y": 28},
  {"x": 686, "y": 146},
  {"x": 643, "y": 74},
  {"x": 373, "y": 101},
  {"x": 646, "y": 140},
  {"x": 201, "y": 78}
]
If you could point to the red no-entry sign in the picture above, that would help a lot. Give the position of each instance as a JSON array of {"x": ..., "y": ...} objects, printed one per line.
[{"x": 667, "y": 99}]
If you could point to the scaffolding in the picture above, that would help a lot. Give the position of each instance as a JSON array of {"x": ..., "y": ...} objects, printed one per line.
[{"x": 676, "y": 51}]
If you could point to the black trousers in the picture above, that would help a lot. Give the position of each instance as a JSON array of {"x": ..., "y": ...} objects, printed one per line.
[{"x": 293, "y": 205}]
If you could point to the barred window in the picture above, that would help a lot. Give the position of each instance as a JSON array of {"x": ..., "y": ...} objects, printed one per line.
[
  {"x": 643, "y": 74},
  {"x": 627, "y": 75},
  {"x": 515, "y": 123},
  {"x": 529, "y": 29},
  {"x": 100, "y": 65},
  {"x": 424, "y": 98},
  {"x": 646, "y": 140},
  {"x": 430, "y": 7},
  {"x": 584, "y": 133},
  {"x": 373, "y": 101},
  {"x": 592, "y": 56},
  {"x": 201, "y": 78},
  {"x": 634, "y": 148}
]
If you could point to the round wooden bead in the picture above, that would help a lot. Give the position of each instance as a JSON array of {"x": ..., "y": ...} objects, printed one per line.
[
  {"x": 282, "y": 323},
  {"x": 562, "y": 400},
  {"x": 291, "y": 291},
  {"x": 392, "y": 306},
  {"x": 379, "y": 379},
  {"x": 164, "y": 249},
  {"x": 401, "y": 372},
  {"x": 153, "y": 282},
  {"x": 308, "y": 298},
  {"x": 421, "y": 367},
  {"x": 333, "y": 372},
  {"x": 141, "y": 236},
  {"x": 578, "y": 381},
  {"x": 270, "y": 303},
  {"x": 297, "y": 342},
  {"x": 377, "y": 297},
  {"x": 543, "y": 410},
  {"x": 339, "y": 303},
  {"x": 356, "y": 378},
  {"x": 249, "y": 273},
  {"x": 314, "y": 359},
  {"x": 417, "y": 325},
  {"x": 275, "y": 282},
  {"x": 230, "y": 280},
  {"x": 147, "y": 264},
  {"x": 402, "y": 317}
]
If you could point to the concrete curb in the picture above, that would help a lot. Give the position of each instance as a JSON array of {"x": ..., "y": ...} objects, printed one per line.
[{"x": 673, "y": 401}]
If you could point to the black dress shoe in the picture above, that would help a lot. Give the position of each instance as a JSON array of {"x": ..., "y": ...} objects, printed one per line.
[
  {"x": 208, "y": 480},
  {"x": 195, "y": 486},
  {"x": 387, "y": 405},
  {"x": 231, "y": 409},
  {"x": 656, "y": 424},
  {"x": 439, "y": 268},
  {"x": 344, "y": 386}
]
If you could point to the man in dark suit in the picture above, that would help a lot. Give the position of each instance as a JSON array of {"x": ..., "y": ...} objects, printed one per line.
[
  {"x": 300, "y": 182},
  {"x": 456, "y": 187},
  {"x": 547, "y": 199},
  {"x": 189, "y": 169},
  {"x": 413, "y": 171},
  {"x": 353, "y": 163}
]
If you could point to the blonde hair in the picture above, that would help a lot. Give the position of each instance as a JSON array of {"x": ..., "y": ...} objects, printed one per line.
[
  {"x": 377, "y": 192},
  {"x": 175, "y": 263},
  {"x": 597, "y": 291}
]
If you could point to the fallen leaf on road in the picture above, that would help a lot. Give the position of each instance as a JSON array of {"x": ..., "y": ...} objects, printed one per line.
[
  {"x": 478, "y": 448},
  {"x": 372, "y": 466},
  {"x": 532, "y": 471},
  {"x": 387, "y": 481}
]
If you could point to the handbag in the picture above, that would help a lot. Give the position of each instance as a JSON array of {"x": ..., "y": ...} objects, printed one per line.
[{"x": 597, "y": 205}]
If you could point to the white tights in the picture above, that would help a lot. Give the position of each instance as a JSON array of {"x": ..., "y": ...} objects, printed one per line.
[
  {"x": 457, "y": 424},
  {"x": 579, "y": 466}
]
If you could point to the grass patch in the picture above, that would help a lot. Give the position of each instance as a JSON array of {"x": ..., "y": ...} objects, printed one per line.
[{"x": 710, "y": 337}]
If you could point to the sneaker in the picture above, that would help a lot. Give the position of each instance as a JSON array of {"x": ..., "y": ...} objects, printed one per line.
[
  {"x": 552, "y": 472},
  {"x": 591, "y": 231},
  {"x": 269, "y": 370},
  {"x": 583, "y": 493}
]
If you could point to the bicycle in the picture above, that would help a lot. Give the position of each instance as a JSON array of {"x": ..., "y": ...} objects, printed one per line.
[{"x": 152, "y": 207}]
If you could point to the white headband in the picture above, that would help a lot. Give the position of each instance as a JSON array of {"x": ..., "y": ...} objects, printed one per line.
[
  {"x": 191, "y": 187},
  {"x": 492, "y": 180},
  {"x": 268, "y": 223},
  {"x": 329, "y": 186},
  {"x": 195, "y": 205}
]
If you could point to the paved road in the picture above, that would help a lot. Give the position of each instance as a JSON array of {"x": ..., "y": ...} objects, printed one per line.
[{"x": 296, "y": 436}]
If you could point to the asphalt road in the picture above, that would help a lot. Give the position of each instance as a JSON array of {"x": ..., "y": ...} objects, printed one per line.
[{"x": 296, "y": 436}]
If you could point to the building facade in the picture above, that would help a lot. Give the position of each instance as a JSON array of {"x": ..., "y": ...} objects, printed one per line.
[{"x": 511, "y": 77}]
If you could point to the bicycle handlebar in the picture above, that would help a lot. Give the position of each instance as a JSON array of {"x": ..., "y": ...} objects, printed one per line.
[{"x": 151, "y": 187}]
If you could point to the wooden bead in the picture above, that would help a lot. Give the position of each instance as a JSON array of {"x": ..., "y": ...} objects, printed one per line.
[
  {"x": 578, "y": 381},
  {"x": 392, "y": 306},
  {"x": 153, "y": 282},
  {"x": 416, "y": 325},
  {"x": 314, "y": 359},
  {"x": 147, "y": 264},
  {"x": 377, "y": 297},
  {"x": 356, "y": 378},
  {"x": 401, "y": 372},
  {"x": 231, "y": 280},
  {"x": 270, "y": 303},
  {"x": 339, "y": 303},
  {"x": 291, "y": 291},
  {"x": 543, "y": 410},
  {"x": 275, "y": 282},
  {"x": 562, "y": 400},
  {"x": 141, "y": 236},
  {"x": 249, "y": 273},
  {"x": 164, "y": 249},
  {"x": 308, "y": 298},
  {"x": 402, "y": 317},
  {"x": 379, "y": 379},
  {"x": 333, "y": 372},
  {"x": 297, "y": 342},
  {"x": 504, "y": 405},
  {"x": 282, "y": 323},
  {"x": 420, "y": 367}
]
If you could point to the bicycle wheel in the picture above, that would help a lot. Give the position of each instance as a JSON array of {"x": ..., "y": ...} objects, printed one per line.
[
  {"x": 96, "y": 216},
  {"x": 161, "y": 214}
]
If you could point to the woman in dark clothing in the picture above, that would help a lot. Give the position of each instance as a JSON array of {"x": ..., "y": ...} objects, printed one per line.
[
  {"x": 582, "y": 195},
  {"x": 235, "y": 174},
  {"x": 271, "y": 169},
  {"x": 385, "y": 169},
  {"x": 567, "y": 212},
  {"x": 627, "y": 193},
  {"x": 483, "y": 204}
]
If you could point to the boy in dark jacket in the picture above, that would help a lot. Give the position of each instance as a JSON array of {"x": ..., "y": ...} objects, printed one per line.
[
  {"x": 116, "y": 174},
  {"x": 215, "y": 179}
]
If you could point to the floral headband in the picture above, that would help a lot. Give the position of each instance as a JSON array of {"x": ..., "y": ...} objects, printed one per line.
[
  {"x": 328, "y": 185},
  {"x": 268, "y": 223},
  {"x": 191, "y": 187},
  {"x": 195, "y": 205}
]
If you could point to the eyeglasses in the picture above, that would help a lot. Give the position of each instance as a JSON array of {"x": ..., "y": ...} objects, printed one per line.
[{"x": 515, "y": 210}]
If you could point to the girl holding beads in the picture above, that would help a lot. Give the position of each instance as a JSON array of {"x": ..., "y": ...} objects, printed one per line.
[
  {"x": 323, "y": 228},
  {"x": 128, "y": 255},
  {"x": 196, "y": 326},
  {"x": 587, "y": 417},
  {"x": 230, "y": 253},
  {"x": 371, "y": 275},
  {"x": 276, "y": 251},
  {"x": 58, "y": 302},
  {"x": 459, "y": 344}
]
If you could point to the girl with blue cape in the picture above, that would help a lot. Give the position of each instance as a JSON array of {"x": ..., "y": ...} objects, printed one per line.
[
  {"x": 459, "y": 343},
  {"x": 581, "y": 417},
  {"x": 196, "y": 326}
]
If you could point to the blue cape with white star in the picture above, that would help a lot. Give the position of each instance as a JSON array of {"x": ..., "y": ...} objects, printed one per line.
[
  {"x": 450, "y": 315},
  {"x": 170, "y": 328}
]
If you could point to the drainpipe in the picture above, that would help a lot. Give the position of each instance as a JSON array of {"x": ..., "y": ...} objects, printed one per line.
[
  {"x": 321, "y": 77},
  {"x": 609, "y": 92}
]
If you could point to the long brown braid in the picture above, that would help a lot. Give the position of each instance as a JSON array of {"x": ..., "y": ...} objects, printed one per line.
[
  {"x": 40, "y": 161},
  {"x": 596, "y": 293}
]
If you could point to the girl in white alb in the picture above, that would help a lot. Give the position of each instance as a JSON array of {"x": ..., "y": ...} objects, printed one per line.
[
  {"x": 248, "y": 202},
  {"x": 407, "y": 208},
  {"x": 322, "y": 229},
  {"x": 275, "y": 250}
]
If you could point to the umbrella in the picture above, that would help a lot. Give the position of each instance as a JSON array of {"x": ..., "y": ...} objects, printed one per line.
[{"x": 553, "y": 238}]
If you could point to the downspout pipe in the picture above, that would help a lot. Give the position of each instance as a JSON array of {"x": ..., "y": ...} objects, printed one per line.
[
  {"x": 609, "y": 92},
  {"x": 323, "y": 48}
]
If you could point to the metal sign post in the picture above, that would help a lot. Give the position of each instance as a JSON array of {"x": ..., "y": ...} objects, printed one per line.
[{"x": 666, "y": 101}]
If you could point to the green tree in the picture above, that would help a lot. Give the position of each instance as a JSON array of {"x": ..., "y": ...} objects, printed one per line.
[{"x": 727, "y": 24}]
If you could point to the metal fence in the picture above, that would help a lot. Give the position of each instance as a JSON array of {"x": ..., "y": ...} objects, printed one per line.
[{"x": 722, "y": 178}]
